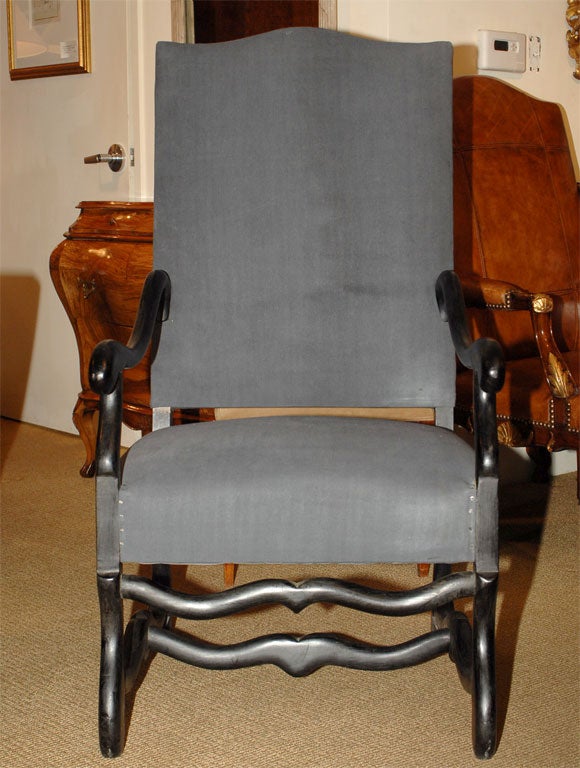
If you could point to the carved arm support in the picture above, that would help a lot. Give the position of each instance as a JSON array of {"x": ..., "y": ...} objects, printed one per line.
[
  {"x": 485, "y": 358},
  {"x": 108, "y": 361},
  {"x": 557, "y": 373},
  {"x": 484, "y": 293},
  {"x": 110, "y": 358}
]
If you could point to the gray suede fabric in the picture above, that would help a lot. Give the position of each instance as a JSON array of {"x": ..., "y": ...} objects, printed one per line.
[
  {"x": 303, "y": 213},
  {"x": 298, "y": 489}
]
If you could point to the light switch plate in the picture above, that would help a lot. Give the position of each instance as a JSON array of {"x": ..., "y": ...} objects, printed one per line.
[{"x": 501, "y": 51}]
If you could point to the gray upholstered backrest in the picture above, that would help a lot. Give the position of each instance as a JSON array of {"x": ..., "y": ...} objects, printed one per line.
[{"x": 303, "y": 209}]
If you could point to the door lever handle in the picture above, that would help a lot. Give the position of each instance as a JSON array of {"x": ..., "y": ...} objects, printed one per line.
[{"x": 115, "y": 157}]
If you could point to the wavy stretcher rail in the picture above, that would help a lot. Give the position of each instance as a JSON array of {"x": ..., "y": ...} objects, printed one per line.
[{"x": 299, "y": 596}]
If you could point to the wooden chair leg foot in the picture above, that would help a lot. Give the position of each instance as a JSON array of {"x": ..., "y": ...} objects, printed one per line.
[
  {"x": 84, "y": 421},
  {"x": 542, "y": 463},
  {"x": 423, "y": 570},
  {"x": 229, "y": 574}
]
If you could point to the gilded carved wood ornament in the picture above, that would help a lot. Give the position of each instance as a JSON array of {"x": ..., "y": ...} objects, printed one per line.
[{"x": 573, "y": 35}]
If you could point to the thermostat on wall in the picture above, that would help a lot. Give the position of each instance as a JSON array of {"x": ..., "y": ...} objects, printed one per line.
[{"x": 502, "y": 51}]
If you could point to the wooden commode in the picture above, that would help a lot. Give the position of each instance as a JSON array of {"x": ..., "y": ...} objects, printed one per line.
[{"x": 98, "y": 272}]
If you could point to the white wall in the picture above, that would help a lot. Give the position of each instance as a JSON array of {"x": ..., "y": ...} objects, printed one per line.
[
  {"x": 42, "y": 180},
  {"x": 47, "y": 126},
  {"x": 459, "y": 20}
]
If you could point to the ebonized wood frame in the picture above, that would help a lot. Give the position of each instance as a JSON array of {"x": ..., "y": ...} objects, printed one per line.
[{"x": 126, "y": 653}]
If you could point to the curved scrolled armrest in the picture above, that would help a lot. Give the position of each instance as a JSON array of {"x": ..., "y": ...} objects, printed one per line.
[
  {"x": 483, "y": 356},
  {"x": 110, "y": 358}
]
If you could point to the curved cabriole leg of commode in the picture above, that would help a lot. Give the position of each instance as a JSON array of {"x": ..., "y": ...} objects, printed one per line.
[
  {"x": 484, "y": 684},
  {"x": 112, "y": 679}
]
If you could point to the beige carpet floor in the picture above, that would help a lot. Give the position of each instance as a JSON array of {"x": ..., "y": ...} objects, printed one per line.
[{"x": 260, "y": 718}]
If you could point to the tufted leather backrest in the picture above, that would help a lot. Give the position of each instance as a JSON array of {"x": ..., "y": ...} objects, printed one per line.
[
  {"x": 515, "y": 205},
  {"x": 303, "y": 209}
]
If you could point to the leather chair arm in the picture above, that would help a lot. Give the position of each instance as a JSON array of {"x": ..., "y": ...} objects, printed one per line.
[{"x": 485, "y": 293}]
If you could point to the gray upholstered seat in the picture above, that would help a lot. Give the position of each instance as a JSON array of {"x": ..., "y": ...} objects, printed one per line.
[
  {"x": 303, "y": 241},
  {"x": 339, "y": 490}
]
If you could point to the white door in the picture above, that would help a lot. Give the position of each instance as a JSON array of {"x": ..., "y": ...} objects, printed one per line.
[
  {"x": 105, "y": 99},
  {"x": 124, "y": 34}
]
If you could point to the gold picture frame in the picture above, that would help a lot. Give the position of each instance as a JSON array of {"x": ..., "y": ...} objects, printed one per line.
[{"x": 48, "y": 38}]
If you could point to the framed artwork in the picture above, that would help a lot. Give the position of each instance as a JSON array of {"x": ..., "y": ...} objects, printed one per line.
[{"x": 48, "y": 37}]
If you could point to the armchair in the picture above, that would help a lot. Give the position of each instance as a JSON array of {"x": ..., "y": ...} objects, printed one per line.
[
  {"x": 517, "y": 253},
  {"x": 303, "y": 239}
]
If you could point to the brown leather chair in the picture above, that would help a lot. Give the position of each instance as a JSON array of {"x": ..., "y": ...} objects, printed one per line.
[{"x": 517, "y": 253}]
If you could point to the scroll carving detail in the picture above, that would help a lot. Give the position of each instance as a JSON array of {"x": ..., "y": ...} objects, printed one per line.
[
  {"x": 559, "y": 378},
  {"x": 509, "y": 434},
  {"x": 542, "y": 303}
]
